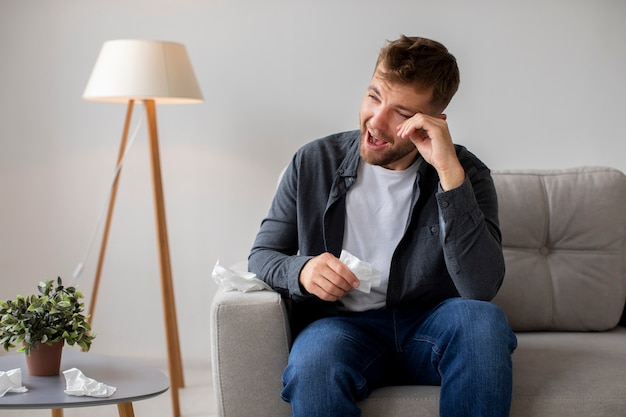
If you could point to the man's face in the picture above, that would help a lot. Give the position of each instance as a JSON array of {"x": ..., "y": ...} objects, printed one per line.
[{"x": 384, "y": 108}]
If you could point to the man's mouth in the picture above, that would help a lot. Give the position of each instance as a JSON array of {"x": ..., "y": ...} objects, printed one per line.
[{"x": 375, "y": 141}]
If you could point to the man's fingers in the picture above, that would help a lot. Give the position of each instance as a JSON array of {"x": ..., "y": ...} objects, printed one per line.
[
  {"x": 340, "y": 275},
  {"x": 327, "y": 277}
]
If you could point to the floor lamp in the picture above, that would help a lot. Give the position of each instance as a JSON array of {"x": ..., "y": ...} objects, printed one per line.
[{"x": 128, "y": 71}]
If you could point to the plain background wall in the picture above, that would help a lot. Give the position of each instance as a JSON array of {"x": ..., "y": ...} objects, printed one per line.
[{"x": 543, "y": 86}]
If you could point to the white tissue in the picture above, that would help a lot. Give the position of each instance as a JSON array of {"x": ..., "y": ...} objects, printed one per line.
[
  {"x": 76, "y": 383},
  {"x": 236, "y": 279},
  {"x": 11, "y": 381},
  {"x": 367, "y": 275}
]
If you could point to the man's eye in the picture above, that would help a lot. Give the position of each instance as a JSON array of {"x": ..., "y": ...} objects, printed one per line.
[{"x": 406, "y": 116}]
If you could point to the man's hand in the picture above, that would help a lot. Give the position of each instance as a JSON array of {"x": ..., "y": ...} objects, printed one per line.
[
  {"x": 326, "y": 277},
  {"x": 433, "y": 141}
]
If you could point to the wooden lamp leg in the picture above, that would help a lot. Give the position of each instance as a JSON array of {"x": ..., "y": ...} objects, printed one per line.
[
  {"x": 107, "y": 225},
  {"x": 167, "y": 289}
]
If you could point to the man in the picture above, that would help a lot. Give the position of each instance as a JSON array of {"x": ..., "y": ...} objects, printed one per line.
[{"x": 402, "y": 197}]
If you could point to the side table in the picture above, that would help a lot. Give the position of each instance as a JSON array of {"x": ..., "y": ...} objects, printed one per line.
[{"x": 134, "y": 381}]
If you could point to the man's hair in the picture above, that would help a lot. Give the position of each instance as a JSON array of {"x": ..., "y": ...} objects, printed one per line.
[{"x": 423, "y": 63}]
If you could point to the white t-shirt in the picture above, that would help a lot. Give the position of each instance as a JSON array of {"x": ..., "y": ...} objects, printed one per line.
[{"x": 377, "y": 210}]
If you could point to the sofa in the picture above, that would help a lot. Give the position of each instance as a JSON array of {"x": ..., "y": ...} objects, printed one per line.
[{"x": 564, "y": 292}]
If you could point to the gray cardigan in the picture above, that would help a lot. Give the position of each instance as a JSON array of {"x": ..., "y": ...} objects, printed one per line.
[{"x": 451, "y": 246}]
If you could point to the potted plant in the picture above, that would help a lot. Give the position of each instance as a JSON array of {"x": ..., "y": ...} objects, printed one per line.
[{"x": 44, "y": 322}]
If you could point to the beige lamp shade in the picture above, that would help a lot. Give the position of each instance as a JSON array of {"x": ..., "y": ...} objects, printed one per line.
[{"x": 141, "y": 70}]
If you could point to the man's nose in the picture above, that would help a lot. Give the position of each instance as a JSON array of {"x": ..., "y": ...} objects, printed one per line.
[{"x": 379, "y": 120}]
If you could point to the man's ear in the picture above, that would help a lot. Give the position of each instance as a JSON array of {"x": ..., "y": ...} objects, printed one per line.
[{"x": 443, "y": 116}]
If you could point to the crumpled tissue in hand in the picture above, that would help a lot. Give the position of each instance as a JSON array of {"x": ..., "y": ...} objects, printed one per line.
[
  {"x": 236, "y": 279},
  {"x": 367, "y": 275},
  {"x": 11, "y": 381},
  {"x": 76, "y": 383}
]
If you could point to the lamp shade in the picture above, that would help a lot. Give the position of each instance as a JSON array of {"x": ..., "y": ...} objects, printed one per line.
[{"x": 141, "y": 70}]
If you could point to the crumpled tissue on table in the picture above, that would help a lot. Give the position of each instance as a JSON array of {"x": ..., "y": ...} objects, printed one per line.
[
  {"x": 76, "y": 383},
  {"x": 11, "y": 381},
  {"x": 368, "y": 276},
  {"x": 237, "y": 279}
]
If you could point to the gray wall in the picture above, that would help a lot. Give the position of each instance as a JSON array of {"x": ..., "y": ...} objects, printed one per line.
[{"x": 543, "y": 86}]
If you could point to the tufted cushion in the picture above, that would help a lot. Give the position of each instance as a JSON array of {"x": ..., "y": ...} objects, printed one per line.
[{"x": 563, "y": 234}]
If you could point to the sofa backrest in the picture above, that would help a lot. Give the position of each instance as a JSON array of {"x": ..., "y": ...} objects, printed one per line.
[{"x": 563, "y": 234}]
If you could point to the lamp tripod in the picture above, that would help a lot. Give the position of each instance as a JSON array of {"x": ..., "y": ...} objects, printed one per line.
[{"x": 167, "y": 288}]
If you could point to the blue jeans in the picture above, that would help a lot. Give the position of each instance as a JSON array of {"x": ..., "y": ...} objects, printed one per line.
[{"x": 463, "y": 345}]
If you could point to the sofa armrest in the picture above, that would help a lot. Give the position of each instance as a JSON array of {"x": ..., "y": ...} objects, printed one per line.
[{"x": 250, "y": 342}]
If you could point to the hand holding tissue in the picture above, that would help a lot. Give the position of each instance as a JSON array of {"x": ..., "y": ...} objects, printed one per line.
[{"x": 367, "y": 275}]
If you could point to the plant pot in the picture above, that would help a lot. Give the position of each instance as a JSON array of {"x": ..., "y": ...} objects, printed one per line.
[{"x": 45, "y": 360}]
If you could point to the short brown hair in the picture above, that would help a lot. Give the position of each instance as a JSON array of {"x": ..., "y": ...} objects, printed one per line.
[{"x": 423, "y": 63}]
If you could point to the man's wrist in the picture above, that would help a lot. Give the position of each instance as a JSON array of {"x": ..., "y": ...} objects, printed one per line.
[{"x": 452, "y": 178}]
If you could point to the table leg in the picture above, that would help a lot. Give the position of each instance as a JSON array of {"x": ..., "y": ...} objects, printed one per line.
[
  {"x": 57, "y": 412},
  {"x": 126, "y": 410}
]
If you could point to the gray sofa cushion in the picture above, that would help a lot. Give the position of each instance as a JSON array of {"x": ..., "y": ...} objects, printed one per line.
[{"x": 563, "y": 237}]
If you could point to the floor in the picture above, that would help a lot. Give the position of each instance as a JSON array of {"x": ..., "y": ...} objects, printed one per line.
[{"x": 196, "y": 400}]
